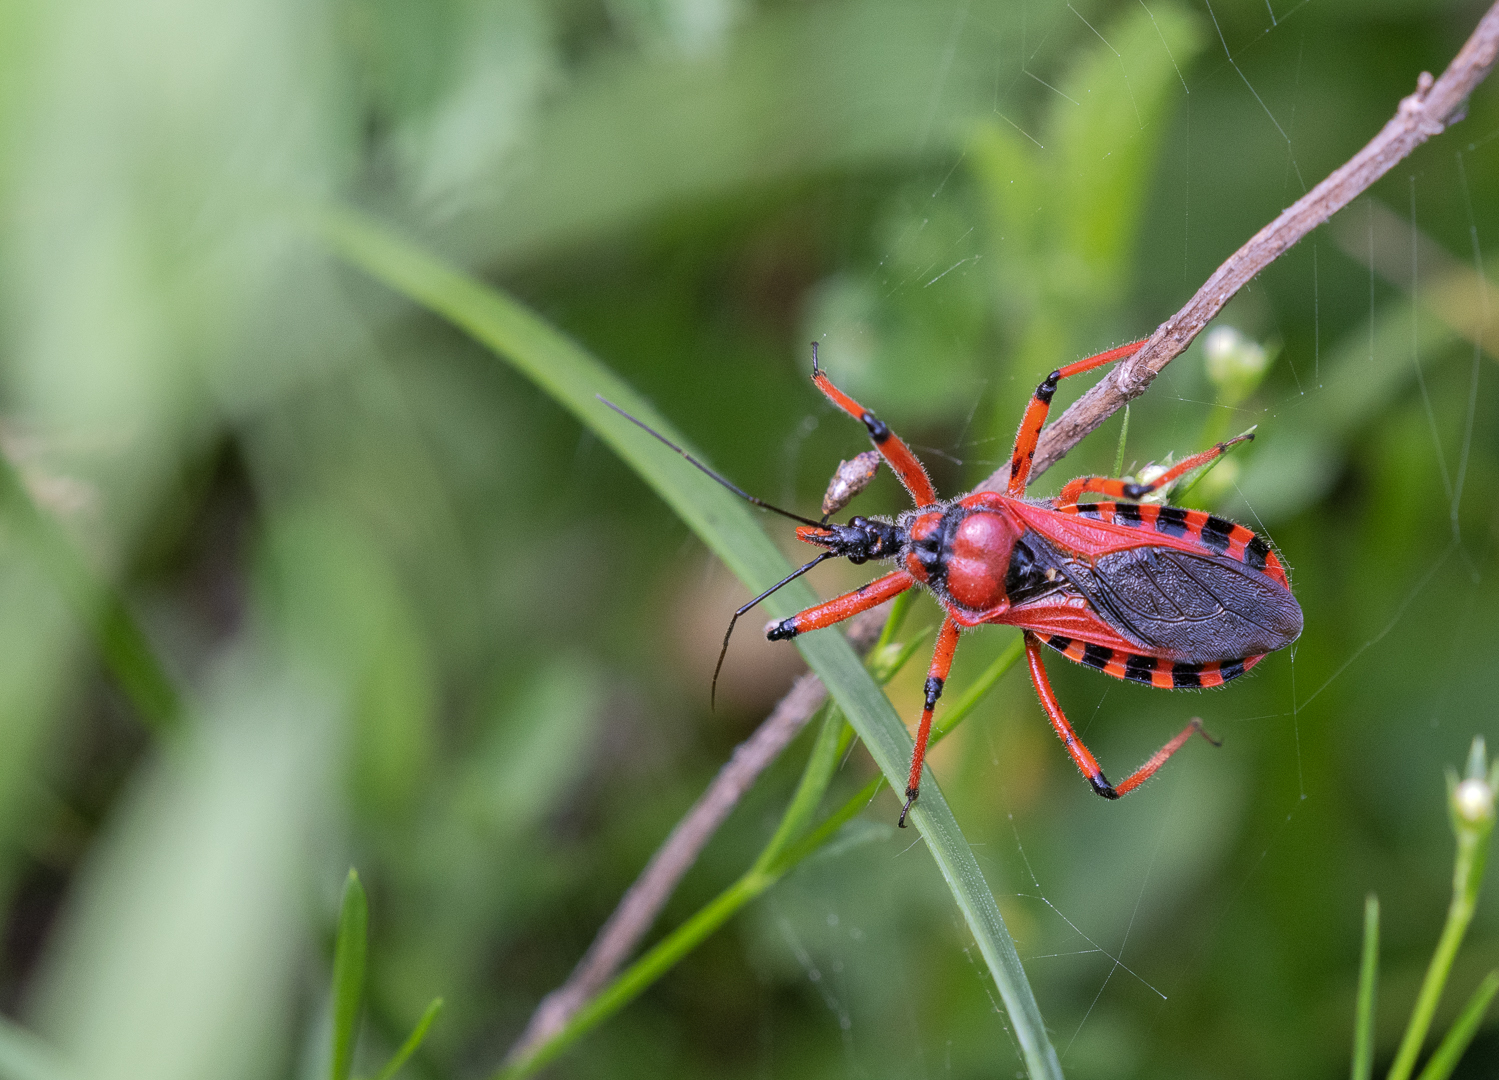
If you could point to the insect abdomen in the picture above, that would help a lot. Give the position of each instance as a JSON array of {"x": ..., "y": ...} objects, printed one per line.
[{"x": 1157, "y": 671}]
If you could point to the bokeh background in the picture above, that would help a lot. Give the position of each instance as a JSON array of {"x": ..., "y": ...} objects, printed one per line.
[{"x": 427, "y": 626}]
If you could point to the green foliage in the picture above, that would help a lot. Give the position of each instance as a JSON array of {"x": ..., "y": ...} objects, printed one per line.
[
  {"x": 413, "y": 1041},
  {"x": 793, "y": 841},
  {"x": 1368, "y": 990},
  {"x": 348, "y": 976},
  {"x": 1066, "y": 205},
  {"x": 1470, "y": 806},
  {"x": 1444, "y": 1060},
  {"x": 351, "y": 944},
  {"x": 117, "y": 636},
  {"x": 725, "y": 524}
]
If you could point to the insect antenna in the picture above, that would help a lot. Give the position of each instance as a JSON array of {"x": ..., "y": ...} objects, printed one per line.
[
  {"x": 699, "y": 465},
  {"x": 788, "y": 579}
]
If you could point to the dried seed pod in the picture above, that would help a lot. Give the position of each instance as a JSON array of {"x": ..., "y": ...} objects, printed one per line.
[{"x": 852, "y": 477}]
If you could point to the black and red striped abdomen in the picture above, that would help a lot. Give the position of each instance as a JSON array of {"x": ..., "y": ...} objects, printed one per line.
[{"x": 1158, "y": 671}]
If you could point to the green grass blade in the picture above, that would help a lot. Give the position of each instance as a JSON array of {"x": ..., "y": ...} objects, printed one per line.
[
  {"x": 1368, "y": 978},
  {"x": 121, "y": 642},
  {"x": 821, "y": 765},
  {"x": 980, "y": 687},
  {"x": 1471, "y": 829},
  {"x": 645, "y": 971},
  {"x": 574, "y": 379},
  {"x": 413, "y": 1041},
  {"x": 348, "y": 976},
  {"x": 690, "y": 934},
  {"x": 833, "y": 738},
  {"x": 1463, "y": 1029},
  {"x": 965, "y": 705},
  {"x": 1123, "y": 438},
  {"x": 900, "y": 607}
]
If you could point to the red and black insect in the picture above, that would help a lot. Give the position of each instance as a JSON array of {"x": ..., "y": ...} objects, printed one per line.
[{"x": 1151, "y": 594}]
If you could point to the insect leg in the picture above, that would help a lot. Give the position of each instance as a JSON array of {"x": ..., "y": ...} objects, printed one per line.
[
  {"x": 1087, "y": 764},
  {"x": 911, "y": 472},
  {"x": 936, "y": 678},
  {"x": 1040, "y": 405},
  {"x": 843, "y": 607},
  {"x": 1126, "y": 489}
]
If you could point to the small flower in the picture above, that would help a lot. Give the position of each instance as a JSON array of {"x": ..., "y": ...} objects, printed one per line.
[
  {"x": 1473, "y": 800},
  {"x": 1470, "y": 800},
  {"x": 1235, "y": 364}
]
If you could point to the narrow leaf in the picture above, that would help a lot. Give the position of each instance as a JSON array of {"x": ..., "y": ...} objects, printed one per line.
[
  {"x": 815, "y": 778},
  {"x": 727, "y": 526},
  {"x": 1123, "y": 438},
  {"x": 1463, "y": 1029},
  {"x": 348, "y": 976},
  {"x": 1368, "y": 978},
  {"x": 413, "y": 1041},
  {"x": 659, "y": 959},
  {"x": 121, "y": 642}
]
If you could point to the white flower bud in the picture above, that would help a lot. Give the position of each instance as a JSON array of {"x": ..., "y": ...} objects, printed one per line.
[
  {"x": 1473, "y": 800},
  {"x": 1151, "y": 473},
  {"x": 1233, "y": 359}
]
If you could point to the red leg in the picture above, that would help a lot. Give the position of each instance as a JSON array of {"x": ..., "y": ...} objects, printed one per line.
[
  {"x": 897, "y": 453},
  {"x": 842, "y": 607},
  {"x": 1125, "y": 489},
  {"x": 936, "y": 678},
  {"x": 1040, "y": 405},
  {"x": 1087, "y": 764}
]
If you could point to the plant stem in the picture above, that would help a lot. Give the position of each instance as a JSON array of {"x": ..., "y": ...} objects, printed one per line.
[
  {"x": 1420, "y": 116},
  {"x": 1472, "y": 825},
  {"x": 772, "y": 865},
  {"x": 577, "y": 381},
  {"x": 1463, "y": 1029},
  {"x": 821, "y": 764},
  {"x": 1119, "y": 453},
  {"x": 1368, "y": 978},
  {"x": 413, "y": 1041}
]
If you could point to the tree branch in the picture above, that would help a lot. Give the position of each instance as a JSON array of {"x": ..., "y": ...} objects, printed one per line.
[
  {"x": 1427, "y": 112},
  {"x": 1435, "y": 105}
]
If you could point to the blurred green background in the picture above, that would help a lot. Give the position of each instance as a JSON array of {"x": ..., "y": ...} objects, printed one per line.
[{"x": 425, "y": 625}]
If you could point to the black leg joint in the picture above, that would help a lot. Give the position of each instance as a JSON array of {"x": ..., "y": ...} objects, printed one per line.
[
  {"x": 879, "y": 431},
  {"x": 784, "y": 630},
  {"x": 1136, "y": 491},
  {"x": 1103, "y": 787},
  {"x": 1048, "y": 387},
  {"x": 933, "y": 691}
]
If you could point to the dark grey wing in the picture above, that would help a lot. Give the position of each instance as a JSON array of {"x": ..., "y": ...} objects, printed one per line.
[{"x": 1197, "y": 608}]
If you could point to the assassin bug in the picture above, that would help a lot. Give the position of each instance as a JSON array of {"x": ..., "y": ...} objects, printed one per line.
[{"x": 1152, "y": 594}]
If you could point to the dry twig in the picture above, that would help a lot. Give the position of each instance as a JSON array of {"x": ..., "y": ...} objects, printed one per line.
[
  {"x": 1435, "y": 104},
  {"x": 644, "y": 899},
  {"x": 1427, "y": 112}
]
